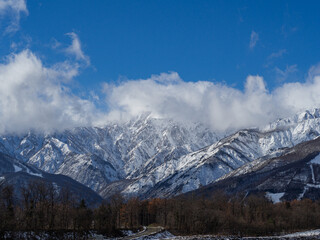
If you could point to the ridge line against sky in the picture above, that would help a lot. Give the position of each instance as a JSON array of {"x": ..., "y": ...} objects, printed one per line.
[{"x": 49, "y": 86}]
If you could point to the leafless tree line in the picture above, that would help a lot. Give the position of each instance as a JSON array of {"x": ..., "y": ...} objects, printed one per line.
[{"x": 39, "y": 206}]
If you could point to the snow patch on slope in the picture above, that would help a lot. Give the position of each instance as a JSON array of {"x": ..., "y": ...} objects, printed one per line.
[
  {"x": 316, "y": 160},
  {"x": 275, "y": 197},
  {"x": 17, "y": 168}
]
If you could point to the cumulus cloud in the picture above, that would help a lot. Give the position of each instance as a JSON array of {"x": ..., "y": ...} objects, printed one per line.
[
  {"x": 299, "y": 96},
  {"x": 33, "y": 96},
  {"x": 254, "y": 38},
  {"x": 75, "y": 49},
  {"x": 13, "y": 8},
  {"x": 219, "y": 106}
]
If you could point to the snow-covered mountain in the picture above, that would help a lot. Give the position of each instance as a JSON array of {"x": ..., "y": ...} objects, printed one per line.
[
  {"x": 97, "y": 156},
  {"x": 19, "y": 174},
  {"x": 207, "y": 165},
  {"x": 293, "y": 175},
  {"x": 150, "y": 157}
]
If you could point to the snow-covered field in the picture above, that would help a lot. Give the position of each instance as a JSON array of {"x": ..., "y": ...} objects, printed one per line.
[{"x": 312, "y": 234}]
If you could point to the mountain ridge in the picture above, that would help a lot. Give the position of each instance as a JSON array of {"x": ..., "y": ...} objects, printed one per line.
[
  {"x": 151, "y": 157},
  {"x": 293, "y": 175}
]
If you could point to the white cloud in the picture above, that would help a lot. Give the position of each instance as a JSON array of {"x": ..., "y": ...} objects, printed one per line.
[
  {"x": 33, "y": 96},
  {"x": 299, "y": 95},
  {"x": 273, "y": 56},
  {"x": 282, "y": 75},
  {"x": 220, "y": 106},
  {"x": 75, "y": 49},
  {"x": 14, "y": 8},
  {"x": 254, "y": 38},
  {"x": 278, "y": 54},
  {"x": 313, "y": 72},
  {"x": 255, "y": 84}
]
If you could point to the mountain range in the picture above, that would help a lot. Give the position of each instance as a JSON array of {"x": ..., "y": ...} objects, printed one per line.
[{"x": 152, "y": 157}]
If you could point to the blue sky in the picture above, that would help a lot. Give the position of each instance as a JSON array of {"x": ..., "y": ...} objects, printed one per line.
[
  {"x": 78, "y": 61},
  {"x": 201, "y": 40}
]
